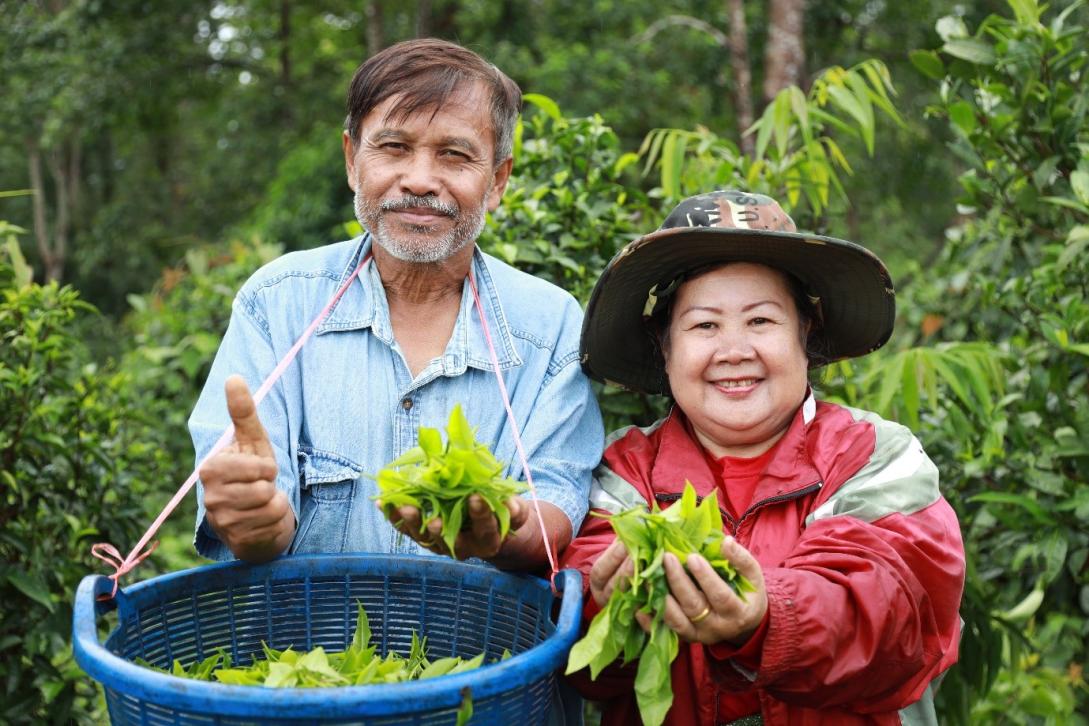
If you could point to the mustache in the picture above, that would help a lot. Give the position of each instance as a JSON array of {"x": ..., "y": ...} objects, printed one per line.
[{"x": 412, "y": 201}]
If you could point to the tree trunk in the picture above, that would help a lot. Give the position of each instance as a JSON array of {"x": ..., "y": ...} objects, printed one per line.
[
  {"x": 285, "y": 43},
  {"x": 53, "y": 266},
  {"x": 742, "y": 74},
  {"x": 372, "y": 12},
  {"x": 423, "y": 19},
  {"x": 784, "y": 59},
  {"x": 287, "y": 111}
]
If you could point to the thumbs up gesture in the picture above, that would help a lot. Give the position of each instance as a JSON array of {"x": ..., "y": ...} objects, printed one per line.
[{"x": 244, "y": 507}]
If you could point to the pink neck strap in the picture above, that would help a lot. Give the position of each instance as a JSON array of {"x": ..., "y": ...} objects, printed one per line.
[{"x": 123, "y": 565}]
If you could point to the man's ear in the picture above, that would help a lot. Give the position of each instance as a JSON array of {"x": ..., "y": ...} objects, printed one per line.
[
  {"x": 499, "y": 183},
  {"x": 349, "y": 158}
]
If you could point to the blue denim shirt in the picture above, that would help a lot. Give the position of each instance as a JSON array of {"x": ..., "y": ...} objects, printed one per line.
[{"x": 348, "y": 405}]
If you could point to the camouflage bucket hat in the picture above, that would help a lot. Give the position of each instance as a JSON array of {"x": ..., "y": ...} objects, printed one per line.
[{"x": 849, "y": 284}]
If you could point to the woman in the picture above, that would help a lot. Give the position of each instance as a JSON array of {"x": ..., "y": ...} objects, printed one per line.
[{"x": 833, "y": 513}]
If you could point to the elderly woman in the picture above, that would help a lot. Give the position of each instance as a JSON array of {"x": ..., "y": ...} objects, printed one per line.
[{"x": 831, "y": 512}]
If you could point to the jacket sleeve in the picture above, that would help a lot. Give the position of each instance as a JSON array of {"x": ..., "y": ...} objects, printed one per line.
[
  {"x": 864, "y": 610},
  {"x": 610, "y": 493}
]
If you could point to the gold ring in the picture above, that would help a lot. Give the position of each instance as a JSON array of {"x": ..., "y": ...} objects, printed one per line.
[{"x": 702, "y": 616}]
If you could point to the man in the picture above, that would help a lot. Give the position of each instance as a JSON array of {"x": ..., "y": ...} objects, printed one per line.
[{"x": 427, "y": 149}]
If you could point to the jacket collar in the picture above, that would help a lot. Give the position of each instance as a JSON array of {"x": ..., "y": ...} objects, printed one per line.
[
  {"x": 364, "y": 305},
  {"x": 680, "y": 457}
]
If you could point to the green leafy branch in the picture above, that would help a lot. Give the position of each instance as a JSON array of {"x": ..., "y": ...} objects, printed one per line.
[
  {"x": 438, "y": 479},
  {"x": 682, "y": 529}
]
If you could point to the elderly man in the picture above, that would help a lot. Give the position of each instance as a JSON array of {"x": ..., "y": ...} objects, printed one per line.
[{"x": 427, "y": 147}]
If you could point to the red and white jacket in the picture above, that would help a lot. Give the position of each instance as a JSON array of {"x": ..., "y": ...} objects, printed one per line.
[{"x": 862, "y": 559}]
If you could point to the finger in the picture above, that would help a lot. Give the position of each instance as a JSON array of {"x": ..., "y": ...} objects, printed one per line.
[
  {"x": 604, "y": 568},
  {"x": 621, "y": 578},
  {"x": 483, "y": 524},
  {"x": 519, "y": 512},
  {"x": 409, "y": 519},
  {"x": 690, "y": 599},
  {"x": 608, "y": 563},
  {"x": 644, "y": 620},
  {"x": 743, "y": 561},
  {"x": 678, "y": 620},
  {"x": 715, "y": 589},
  {"x": 249, "y": 433},
  {"x": 226, "y": 468}
]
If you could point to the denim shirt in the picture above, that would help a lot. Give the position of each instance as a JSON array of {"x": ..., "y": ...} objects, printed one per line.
[{"x": 349, "y": 405}]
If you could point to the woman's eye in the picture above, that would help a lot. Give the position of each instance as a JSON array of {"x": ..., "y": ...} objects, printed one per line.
[
  {"x": 705, "y": 325},
  {"x": 760, "y": 321}
]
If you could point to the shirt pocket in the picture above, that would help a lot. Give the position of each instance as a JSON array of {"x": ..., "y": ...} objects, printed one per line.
[
  {"x": 327, "y": 477},
  {"x": 329, "y": 486}
]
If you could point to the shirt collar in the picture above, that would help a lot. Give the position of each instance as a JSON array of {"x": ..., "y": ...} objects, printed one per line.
[{"x": 364, "y": 305}]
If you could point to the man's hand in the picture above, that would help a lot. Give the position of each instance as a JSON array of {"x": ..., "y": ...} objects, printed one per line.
[
  {"x": 481, "y": 539},
  {"x": 245, "y": 509}
]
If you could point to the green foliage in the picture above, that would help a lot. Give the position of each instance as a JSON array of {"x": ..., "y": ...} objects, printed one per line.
[
  {"x": 797, "y": 159},
  {"x": 76, "y": 459},
  {"x": 566, "y": 212},
  {"x": 358, "y": 665},
  {"x": 174, "y": 331},
  {"x": 1014, "y": 272},
  {"x": 683, "y": 529},
  {"x": 438, "y": 479}
]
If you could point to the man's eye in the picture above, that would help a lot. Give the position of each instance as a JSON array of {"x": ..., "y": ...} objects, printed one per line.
[{"x": 456, "y": 154}]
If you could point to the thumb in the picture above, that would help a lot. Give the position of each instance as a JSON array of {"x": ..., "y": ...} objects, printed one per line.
[
  {"x": 249, "y": 434},
  {"x": 743, "y": 561}
]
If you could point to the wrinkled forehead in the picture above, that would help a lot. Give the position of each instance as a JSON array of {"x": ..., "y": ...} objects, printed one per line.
[{"x": 465, "y": 97}]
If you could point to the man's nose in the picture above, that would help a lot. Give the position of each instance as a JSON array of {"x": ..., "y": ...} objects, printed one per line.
[{"x": 419, "y": 175}]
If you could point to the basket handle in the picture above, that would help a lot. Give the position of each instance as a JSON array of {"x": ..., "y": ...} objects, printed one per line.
[
  {"x": 92, "y": 601},
  {"x": 570, "y": 617}
]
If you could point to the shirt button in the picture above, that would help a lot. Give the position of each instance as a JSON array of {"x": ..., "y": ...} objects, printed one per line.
[{"x": 406, "y": 404}]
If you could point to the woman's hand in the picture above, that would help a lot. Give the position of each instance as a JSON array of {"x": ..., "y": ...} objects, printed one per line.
[
  {"x": 612, "y": 569},
  {"x": 702, "y": 608}
]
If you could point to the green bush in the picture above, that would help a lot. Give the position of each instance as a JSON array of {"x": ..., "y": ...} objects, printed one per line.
[
  {"x": 1014, "y": 273},
  {"x": 77, "y": 456}
]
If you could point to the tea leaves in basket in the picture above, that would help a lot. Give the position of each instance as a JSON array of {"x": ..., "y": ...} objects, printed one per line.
[{"x": 358, "y": 665}]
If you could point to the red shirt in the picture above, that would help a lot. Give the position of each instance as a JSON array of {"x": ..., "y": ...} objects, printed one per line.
[{"x": 736, "y": 478}]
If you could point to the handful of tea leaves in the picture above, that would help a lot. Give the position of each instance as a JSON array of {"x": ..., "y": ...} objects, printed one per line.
[
  {"x": 437, "y": 479},
  {"x": 359, "y": 665},
  {"x": 682, "y": 529}
]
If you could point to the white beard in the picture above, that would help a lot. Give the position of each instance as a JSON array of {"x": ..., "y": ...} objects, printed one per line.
[{"x": 420, "y": 245}]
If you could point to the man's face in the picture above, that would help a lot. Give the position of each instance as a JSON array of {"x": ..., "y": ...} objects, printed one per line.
[{"x": 423, "y": 183}]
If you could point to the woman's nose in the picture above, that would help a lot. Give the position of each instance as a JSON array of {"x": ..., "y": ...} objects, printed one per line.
[{"x": 734, "y": 349}]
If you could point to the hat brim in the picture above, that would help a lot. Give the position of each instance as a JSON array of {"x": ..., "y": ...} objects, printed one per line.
[{"x": 858, "y": 303}]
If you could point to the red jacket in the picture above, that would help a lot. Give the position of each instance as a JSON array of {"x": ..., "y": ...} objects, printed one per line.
[{"x": 862, "y": 559}]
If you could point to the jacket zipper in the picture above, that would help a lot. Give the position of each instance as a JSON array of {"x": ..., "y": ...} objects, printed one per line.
[
  {"x": 796, "y": 494},
  {"x": 735, "y": 526}
]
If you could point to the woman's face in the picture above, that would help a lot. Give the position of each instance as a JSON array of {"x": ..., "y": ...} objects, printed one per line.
[{"x": 735, "y": 358}]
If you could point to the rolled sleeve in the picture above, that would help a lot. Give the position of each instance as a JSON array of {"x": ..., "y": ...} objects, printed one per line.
[{"x": 247, "y": 351}]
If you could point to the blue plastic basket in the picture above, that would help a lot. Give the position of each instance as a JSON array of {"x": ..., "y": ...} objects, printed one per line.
[{"x": 307, "y": 601}]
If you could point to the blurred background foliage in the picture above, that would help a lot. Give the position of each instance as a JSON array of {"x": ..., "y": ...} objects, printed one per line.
[{"x": 152, "y": 155}]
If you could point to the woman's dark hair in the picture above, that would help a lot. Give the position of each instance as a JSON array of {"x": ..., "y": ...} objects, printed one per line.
[
  {"x": 425, "y": 73},
  {"x": 808, "y": 307}
]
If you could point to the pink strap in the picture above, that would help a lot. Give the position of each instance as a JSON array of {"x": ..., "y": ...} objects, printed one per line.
[
  {"x": 514, "y": 431},
  {"x": 109, "y": 554}
]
